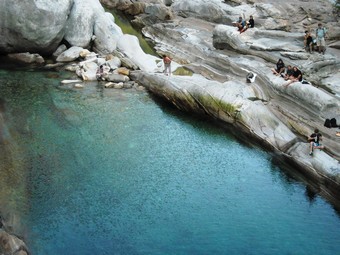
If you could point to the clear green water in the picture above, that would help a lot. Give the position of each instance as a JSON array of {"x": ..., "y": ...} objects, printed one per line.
[
  {"x": 123, "y": 22},
  {"x": 115, "y": 172}
]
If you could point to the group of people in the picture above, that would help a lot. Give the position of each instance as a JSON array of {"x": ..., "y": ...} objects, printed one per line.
[
  {"x": 243, "y": 25},
  {"x": 289, "y": 74},
  {"x": 309, "y": 42},
  {"x": 293, "y": 74}
]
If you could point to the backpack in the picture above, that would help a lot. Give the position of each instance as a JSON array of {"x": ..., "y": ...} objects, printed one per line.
[
  {"x": 333, "y": 122},
  {"x": 327, "y": 123},
  {"x": 323, "y": 30},
  {"x": 250, "y": 77}
]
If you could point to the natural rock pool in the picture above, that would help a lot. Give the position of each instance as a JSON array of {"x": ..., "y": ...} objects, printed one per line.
[{"x": 104, "y": 171}]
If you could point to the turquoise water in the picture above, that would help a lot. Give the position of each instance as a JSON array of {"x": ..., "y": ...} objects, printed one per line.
[{"x": 116, "y": 172}]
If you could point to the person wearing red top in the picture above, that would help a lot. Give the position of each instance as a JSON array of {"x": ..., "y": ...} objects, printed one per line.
[{"x": 167, "y": 65}]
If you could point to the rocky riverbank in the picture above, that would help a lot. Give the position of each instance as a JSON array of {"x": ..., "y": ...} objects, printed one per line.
[{"x": 199, "y": 36}]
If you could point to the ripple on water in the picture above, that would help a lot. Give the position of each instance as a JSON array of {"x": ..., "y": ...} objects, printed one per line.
[{"x": 131, "y": 176}]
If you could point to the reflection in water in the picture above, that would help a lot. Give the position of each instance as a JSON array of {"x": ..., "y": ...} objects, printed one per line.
[
  {"x": 113, "y": 172},
  {"x": 311, "y": 194}
]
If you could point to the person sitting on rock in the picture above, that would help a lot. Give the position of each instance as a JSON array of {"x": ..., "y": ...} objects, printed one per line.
[
  {"x": 240, "y": 24},
  {"x": 280, "y": 67},
  {"x": 288, "y": 73},
  {"x": 100, "y": 72},
  {"x": 249, "y": 24},
  {"x": 308, "y": 42},
  {"x": 296, "y": 76},
  {"x": 314, "y": 141}
]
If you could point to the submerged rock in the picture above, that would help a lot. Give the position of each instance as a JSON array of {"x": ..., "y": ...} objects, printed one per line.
[{"x": 26, "y": 58}]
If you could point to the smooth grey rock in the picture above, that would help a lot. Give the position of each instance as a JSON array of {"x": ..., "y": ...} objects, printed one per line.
[
  {"x": 59, "y": 50},
  {"x": 159, "y": 10},
  {"x": 128, "y": 63},
  {"x": 114, "y": 63},
  {"x": 325, "y": 164},
  {"x": 34, "y": 26},
  {"x": 119, "y": 85},
  {"x": 26, "y": 58},
  {"x": 80, "y": 23},
  {"x": 70, "y": 55},
  {"x": 107, "y": 34},
  {"x": 10, "y": 244},
  {"x": 208, "y": 10},
  {"x": 129, "y": 45},
  {"x": 117, "y": 78},
  {"x": 88, "y": 71}
]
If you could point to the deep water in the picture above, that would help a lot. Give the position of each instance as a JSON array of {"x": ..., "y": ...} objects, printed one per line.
[{"x": 106, "y": 171}]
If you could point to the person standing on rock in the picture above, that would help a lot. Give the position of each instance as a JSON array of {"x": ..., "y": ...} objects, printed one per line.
[
  {"x": 314, "y": 141},
  {"x": 167, "y": 65},
  {"x": 320, "y": 38}
]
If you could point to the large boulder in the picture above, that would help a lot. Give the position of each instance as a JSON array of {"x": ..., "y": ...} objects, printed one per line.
[
  {"x": 10, "y": 244},
  {"x": 34, "y": 26},
  {"x": 129, "y": 45},
  {"x": 107, "y": 34},
  {"x": 40, "y": 26},
  {"x": 208, "y": 10},
  {"x": 69, "y": 55},
  {"x": 80, "y": 23}
]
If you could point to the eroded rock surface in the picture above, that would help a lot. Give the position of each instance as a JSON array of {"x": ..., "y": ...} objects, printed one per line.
[{"x": 200, "y": 36}]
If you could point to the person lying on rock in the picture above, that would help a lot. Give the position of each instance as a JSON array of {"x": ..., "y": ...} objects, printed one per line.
[
  {"x": 280, "y": 67},
  {"x": 296, "y": 76},
  {"x": 314, "y": 141},
  {"x": 249, "y": 24}
]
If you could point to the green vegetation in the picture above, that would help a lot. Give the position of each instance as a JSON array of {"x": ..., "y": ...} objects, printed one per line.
[
  {"x": 337, "y": 6},
  {"x": 228, "y": 108},
  {"x": 183, "y": 71},
  {"x": 124, "y": 23}
]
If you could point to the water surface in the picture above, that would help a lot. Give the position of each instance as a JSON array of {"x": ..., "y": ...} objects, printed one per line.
[{"x": 116, "y": 172}]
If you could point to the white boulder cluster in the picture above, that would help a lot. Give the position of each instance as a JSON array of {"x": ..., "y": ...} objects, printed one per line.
[{"x": 112, "y": 68}]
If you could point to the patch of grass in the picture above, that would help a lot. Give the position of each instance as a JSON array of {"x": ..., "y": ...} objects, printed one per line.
[{"x": 183, "y": 71}]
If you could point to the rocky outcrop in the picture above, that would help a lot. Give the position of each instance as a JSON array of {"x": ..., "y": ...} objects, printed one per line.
[
  {"x": 40, "y": 26},
  {"x": 11, "y": 244},
  {"x": 278, "y": 117}
]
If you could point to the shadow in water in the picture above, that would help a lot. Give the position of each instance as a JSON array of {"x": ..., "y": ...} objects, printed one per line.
[
  {"x": 289, "y": 173},
  {"x": 313, "y": 188}
]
